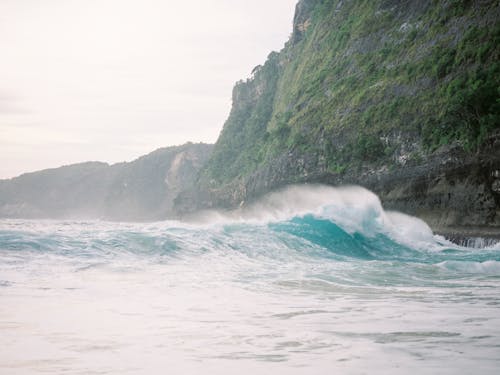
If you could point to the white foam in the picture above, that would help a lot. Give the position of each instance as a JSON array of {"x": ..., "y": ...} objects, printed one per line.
[
  {"x": 410, "y": 230},
  {"x": 490, "y": 267},
  {"x": 353, "y": 208}
]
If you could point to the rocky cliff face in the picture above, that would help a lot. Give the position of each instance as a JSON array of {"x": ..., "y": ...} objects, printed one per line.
[
  {"x": 398, "y": 96},
  {"x": 144, "y": 189}
]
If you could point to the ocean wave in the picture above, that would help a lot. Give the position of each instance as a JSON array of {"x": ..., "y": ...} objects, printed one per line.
[
  {"x": 354, "y": 209},
  {"x": 299, "y": 222}
]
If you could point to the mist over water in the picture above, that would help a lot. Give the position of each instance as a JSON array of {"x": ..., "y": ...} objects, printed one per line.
[{"x": 310, "y": 280}]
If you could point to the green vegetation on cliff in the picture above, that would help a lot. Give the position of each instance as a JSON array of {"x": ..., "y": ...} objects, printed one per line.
[{"x": 367, "y": 83}]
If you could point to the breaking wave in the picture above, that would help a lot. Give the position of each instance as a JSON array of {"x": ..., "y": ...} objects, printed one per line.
[{"x": 307, "y": 280}]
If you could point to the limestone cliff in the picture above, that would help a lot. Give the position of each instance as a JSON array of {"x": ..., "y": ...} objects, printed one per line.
[{"x": 400, "y": 96}]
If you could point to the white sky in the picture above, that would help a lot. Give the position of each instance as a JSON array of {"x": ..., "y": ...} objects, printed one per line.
[{"x": 111, "y": 80}]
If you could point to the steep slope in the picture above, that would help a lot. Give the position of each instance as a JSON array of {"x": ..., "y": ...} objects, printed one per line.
[
  {"x": 401, "y": 96},
  {"x": 144, "y": 189}
]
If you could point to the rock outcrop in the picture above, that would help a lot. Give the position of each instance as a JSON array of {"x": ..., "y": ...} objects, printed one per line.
[{"x": 398, "y": 96}]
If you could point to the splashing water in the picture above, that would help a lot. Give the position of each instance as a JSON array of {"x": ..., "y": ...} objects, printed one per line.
[{"x": 310, "y": 280}]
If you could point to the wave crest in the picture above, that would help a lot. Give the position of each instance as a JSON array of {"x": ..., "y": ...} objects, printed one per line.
[{"x": 353, "y": 208}]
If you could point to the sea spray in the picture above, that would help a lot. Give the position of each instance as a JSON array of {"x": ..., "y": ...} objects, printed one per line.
[{"x": 352, "y": 208}]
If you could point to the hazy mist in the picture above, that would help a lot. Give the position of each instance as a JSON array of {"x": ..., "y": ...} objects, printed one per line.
[{"x": 111, "y": 80}]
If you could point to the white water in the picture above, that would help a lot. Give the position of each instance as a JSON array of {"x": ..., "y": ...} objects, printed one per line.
[{"x": 279, "y": 292}]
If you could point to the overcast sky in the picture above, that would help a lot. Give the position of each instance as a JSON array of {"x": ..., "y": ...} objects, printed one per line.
[{"x": 111, "y": 80}]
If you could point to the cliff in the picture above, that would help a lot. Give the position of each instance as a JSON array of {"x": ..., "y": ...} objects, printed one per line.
[
  {"x": 144, "y": 189},
  {"x": 399, "y": 96}
]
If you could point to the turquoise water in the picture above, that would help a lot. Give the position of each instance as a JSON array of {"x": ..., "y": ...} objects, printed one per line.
[{"x": 311, "y": 280}]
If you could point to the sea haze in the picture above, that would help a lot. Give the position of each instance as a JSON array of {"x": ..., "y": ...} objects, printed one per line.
[{"x": 308, "y": 281}]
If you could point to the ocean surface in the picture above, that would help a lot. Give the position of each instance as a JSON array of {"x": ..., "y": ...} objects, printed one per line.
[{"x": 311, "y": 280}]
